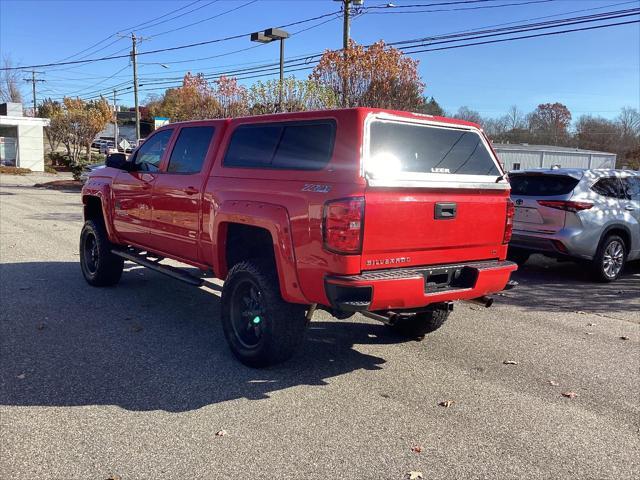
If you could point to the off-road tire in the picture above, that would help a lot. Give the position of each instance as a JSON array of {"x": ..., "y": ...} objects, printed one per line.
[
  {"x": 282, "y": 324},
  {"x": 604, "y": 256},
  {"x": 418, "y": 325},
  {"x": 518, "y": 255},
  {"x": 102, "y": 268}
]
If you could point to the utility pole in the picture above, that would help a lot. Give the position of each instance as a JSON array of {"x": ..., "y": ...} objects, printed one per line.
[
  {"x": 115, "y": 119},
  {"x": 134, "y": 53},
  {"x": 33, "y": 81},
  {"x": 346, "y": 27}
]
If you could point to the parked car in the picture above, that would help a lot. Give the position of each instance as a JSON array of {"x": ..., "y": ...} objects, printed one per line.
[
  {"x": 97, "y": 143},
  {"x": 591, "y": 215},
  {"x": 108, "y": 147},
  {"x": 90, "y": 168},
  {"x": 355, "y": 210}
]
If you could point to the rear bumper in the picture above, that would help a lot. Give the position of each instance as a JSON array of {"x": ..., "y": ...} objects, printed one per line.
[
  {"x": 409, "y": 288},
  {"x": 565, "y": 242}
]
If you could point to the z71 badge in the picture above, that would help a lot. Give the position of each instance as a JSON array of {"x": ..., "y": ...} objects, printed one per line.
[{"x": 313, "y": 187}]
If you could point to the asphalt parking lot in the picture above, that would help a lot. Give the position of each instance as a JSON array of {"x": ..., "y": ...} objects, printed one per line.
[{"x": 133, "y": 382}]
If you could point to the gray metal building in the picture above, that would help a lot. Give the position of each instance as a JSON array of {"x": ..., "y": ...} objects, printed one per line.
[{"x": 524, "y": 156}]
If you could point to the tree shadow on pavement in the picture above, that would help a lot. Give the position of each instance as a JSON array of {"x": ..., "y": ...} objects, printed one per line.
[
  {"x": 549, "y": 285},
  {"x": 149, "y": 343}
]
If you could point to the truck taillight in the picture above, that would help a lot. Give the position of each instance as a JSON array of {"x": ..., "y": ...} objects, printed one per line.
[
  {"x": 508, "y": 224},
  {"x": 567, "y": 205},
  {"x": 342, "y": 225}
]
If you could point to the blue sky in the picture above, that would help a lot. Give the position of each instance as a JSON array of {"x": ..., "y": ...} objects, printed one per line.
[{"x": 595, "y": 72}]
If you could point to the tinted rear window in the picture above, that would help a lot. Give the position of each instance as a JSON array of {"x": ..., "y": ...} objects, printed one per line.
[
  {"x": 296, "y": 146},
  {"x": 425, "y": 149},
  {"x": 541, "y": 185}
]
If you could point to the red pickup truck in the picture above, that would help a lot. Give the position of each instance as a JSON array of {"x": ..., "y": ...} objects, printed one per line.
[{"x": 391, "y": 214}]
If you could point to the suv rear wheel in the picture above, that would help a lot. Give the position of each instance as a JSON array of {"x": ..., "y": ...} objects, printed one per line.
[
  {"x": 261, "y": 328},
  {"x": 418, "y": 325},
  {"x": 100, "y": 267},
  {"x": 610, "y": 259}
]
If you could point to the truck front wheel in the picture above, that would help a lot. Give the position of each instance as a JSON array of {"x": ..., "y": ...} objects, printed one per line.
[
  {"x": 418, "y": 325},
  {"x": 260, "y": 327},
  {"x": 100, "y": 267}
]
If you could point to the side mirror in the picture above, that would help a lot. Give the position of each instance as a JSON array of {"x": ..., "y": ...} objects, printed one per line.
[{"x": 119, "y": 161}]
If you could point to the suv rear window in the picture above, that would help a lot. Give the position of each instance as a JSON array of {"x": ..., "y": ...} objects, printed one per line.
[
  {"x": 295, "y": 146},
  {"x": 541, "y": 185},
  {"x": 428, "y": 149}
]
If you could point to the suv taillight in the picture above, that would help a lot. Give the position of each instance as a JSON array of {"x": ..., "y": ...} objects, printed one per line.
[
  {"x": 342, "y": 223},
  {"x": 508, "y": 223},
  {"x": 567, "y": 205}
]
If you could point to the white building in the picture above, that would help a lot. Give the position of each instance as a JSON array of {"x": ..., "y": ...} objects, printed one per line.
[
  {"x": 524, "y": 156},
  {"x": 21, "y": 138}
]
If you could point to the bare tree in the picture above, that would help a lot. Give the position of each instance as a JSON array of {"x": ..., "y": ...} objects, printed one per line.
[
  {"x": 514, "y": 119},
  {"x": 9, "y": 83},
  {"x": 629, "y": 121},
  {"x": 465, "y": 113}
]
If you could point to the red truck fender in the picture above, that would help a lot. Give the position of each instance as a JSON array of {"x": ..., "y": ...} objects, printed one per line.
[
  {"x": 274, "y": 219},
  {"x": 100, "y": 189}
]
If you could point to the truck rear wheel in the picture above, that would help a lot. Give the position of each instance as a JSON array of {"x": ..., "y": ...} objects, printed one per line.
[
  {"x": 418, "y": 325},
  {"x": 260, "y": 327},
  {"x": 100, "y": 267}
]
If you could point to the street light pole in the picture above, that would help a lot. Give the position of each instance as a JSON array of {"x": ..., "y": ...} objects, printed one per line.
[
  {"x": 269, "y": 35},
  {"x": 281, "y": 89}
]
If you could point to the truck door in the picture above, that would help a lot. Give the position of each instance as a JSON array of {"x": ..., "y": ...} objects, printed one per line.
[
  {"x": 177, "y": 193},
  {"x": 132, "y": 190}
]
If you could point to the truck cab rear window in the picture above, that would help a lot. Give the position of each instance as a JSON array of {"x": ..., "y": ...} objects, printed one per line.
[
  {"x": 295, "y": 146},
  {"x": 541, "y": 185},
  {"x": 428, "y": 149}
]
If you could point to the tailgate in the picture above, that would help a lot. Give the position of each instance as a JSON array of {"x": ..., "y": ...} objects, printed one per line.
[
  {"x": 435, "y": 194},
  {"x": 424, "y": 227}
]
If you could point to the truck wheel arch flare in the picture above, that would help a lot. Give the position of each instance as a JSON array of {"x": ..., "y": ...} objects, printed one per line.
[{"x": 270, "y": 217}]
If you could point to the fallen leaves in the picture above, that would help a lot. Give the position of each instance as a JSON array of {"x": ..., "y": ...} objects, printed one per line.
[
  {"x": 591, "y": 324},
  {"x": 414, "y": 475},
  {"x": 510, "y": 362},
  {"x": 416, "y": 449},
  {"x": 624, "y": 337},
  {"x": 553, "y": 383},
  {"x": 569, "y": 394},
  {"x": 446, "y": 403},
  {"x": 221, "y": 433}
]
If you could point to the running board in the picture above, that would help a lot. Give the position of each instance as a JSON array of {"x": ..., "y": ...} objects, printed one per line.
[{"x": 173, "y": 272}]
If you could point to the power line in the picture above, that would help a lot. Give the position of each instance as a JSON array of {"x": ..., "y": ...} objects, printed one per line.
[
  {"x": 169, "y": 49},
  {"x": 392, "y": 10},
  {"x": 260, "y": 73},
  {"x": 129, "y": 28},
  {"x": 203, "y": 20}
]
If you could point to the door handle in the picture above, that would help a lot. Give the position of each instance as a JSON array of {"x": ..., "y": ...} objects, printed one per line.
[{"x": 191, "y": 190}]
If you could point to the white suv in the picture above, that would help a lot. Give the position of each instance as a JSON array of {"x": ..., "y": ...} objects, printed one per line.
[{"x": 590, "y": 215}]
